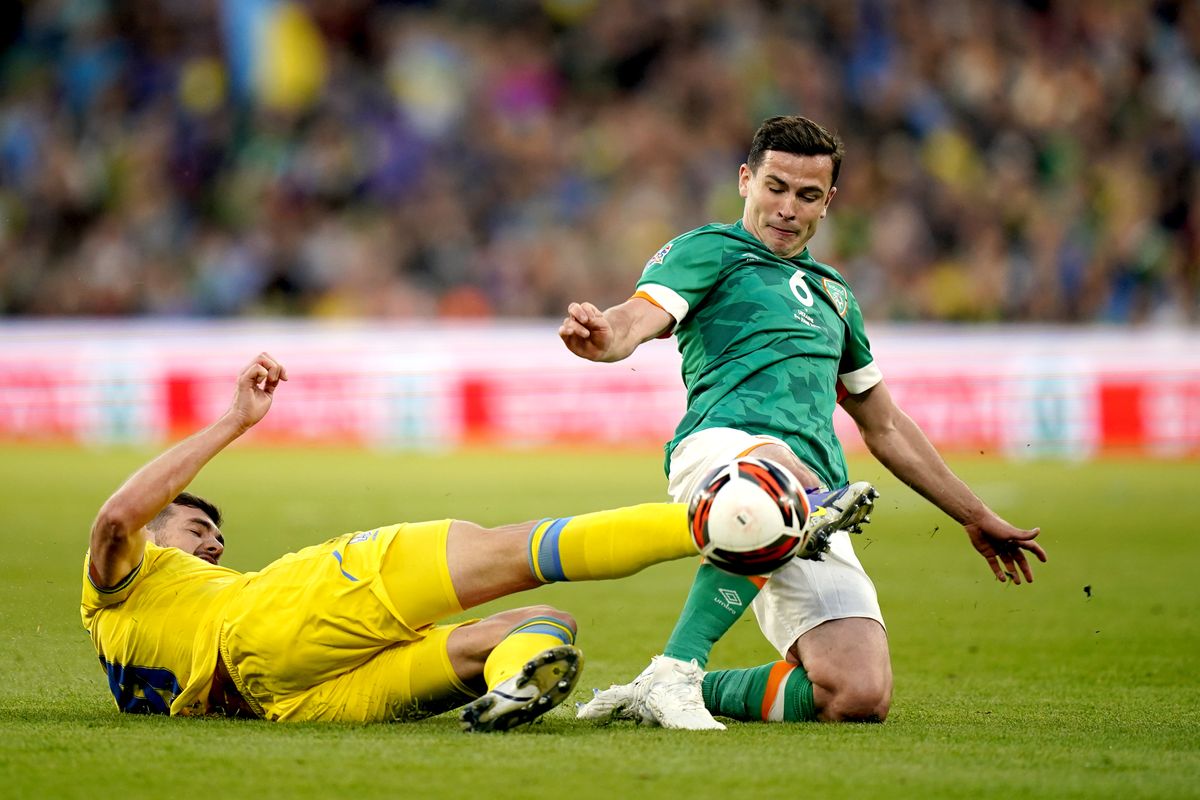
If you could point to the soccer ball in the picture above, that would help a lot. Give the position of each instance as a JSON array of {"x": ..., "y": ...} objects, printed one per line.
[{"x": 748, "y": 516}]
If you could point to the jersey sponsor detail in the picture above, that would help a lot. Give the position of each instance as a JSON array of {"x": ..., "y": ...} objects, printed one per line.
[
  {"x": 860, "y": 380},
  {"x": 805, "y": 318}
]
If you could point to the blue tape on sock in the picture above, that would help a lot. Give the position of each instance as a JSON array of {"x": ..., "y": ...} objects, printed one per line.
[
  {"x": 549, "y": 559},
  {"x": 558, "y": 630}
]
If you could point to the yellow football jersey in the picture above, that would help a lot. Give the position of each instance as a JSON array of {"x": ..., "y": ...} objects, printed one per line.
[
  {"x": 343, "y": 630},
  {"x": 157, "y": 631}
]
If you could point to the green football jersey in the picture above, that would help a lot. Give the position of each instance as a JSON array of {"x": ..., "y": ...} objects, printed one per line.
[{"x": 765, "y": 340}]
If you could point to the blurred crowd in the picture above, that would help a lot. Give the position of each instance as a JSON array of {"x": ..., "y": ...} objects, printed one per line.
[{"x": 1006, "y": 160}]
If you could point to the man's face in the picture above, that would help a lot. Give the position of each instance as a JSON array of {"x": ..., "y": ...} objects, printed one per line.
[
  {"x": 786, "y": 198},
  {"x": 190, "y": 530}
]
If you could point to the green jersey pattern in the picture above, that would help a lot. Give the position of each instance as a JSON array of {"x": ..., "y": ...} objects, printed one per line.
[{"x": 763, "y": 340}]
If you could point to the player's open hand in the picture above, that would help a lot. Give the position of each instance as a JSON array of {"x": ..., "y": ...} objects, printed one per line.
[
  {"x": 1003, "y": 546},
  {"x": 586, "y": 331},
  {"x": 256, "y": 389}
]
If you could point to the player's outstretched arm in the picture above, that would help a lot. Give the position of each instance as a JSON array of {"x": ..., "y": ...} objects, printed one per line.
[
  {"x": 613, "y": 334},
  {"x": 117, "y": 540},
  {"x": 902, "y": 447}
]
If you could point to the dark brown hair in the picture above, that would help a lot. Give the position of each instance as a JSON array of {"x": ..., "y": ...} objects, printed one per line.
[
  {"x": 797, "y": 135},
  {"x": 191, "y": 501}
]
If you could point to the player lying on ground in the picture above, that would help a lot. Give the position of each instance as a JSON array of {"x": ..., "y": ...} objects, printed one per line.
[{"x": 347, "y": 630}]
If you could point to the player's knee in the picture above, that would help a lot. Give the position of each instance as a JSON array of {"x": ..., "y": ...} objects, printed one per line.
[
  {"x": 556, "y": 614},
  {"x": 859, "y": 701},
  {"x": 505, "y": 621}
]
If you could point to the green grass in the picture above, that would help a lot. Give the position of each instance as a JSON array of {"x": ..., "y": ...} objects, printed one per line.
[{"x": 1001, "y": 691}]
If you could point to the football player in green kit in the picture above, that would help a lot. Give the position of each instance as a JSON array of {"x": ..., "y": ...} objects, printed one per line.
[{"x": 771, "y": 341}]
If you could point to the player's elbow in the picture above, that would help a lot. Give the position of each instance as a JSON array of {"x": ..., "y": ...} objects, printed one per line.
[{"x": 115, "y": 523}]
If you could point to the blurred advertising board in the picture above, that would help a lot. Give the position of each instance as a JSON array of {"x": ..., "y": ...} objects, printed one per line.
[{"x": 1064, "y": 392}]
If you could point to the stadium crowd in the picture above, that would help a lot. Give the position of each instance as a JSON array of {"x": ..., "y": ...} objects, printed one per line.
[{"x": 1007, "y": 161}]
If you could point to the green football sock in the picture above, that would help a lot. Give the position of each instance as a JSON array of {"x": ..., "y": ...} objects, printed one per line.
[
  {"x": 716, "y": 601},
  {"x": 778, "y": 692}
]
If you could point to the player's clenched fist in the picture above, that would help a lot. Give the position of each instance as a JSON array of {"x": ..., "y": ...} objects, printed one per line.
[
  {"x": 256, "y": 388},
  {"x": 586, "y": 331}
]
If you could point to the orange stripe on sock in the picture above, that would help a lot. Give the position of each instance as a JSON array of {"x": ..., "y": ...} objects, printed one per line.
[
  {"x": 775, "y": 681},
  {"x": 758, "y": 580}
]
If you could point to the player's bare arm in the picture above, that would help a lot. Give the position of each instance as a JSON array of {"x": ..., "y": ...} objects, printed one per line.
[
  {"x": 614, "y": 334},
  {"x": 901, "y": 446},
  {"x": 118, "y": 534}
]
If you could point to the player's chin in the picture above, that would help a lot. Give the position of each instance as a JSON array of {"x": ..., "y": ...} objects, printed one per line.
[{"x": 785, "y": 246}]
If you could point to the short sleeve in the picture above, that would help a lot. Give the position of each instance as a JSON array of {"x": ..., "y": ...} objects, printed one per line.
[
  {"x": 857, "y": 370},
  {"x": 96, "y": 597},
  {"x": 682, "y": 272}
]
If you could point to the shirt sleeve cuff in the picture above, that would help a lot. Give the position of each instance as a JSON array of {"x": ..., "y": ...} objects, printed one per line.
[
  {"x": 667, "y": 299},
  {"x": 121, "y": 585},
  {"x": 860, "y": 380}
]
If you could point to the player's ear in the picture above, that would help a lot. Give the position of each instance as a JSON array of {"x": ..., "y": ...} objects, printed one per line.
[
  {"x": 744, "y": 176},
  {"x": 828, "y": 200}
]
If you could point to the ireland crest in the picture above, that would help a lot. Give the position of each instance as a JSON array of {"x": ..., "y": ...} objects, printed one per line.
[{"x": 838, "y": 294}]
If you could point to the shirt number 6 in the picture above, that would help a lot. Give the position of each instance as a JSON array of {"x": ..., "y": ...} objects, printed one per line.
[{"x": 800, "y": 289}]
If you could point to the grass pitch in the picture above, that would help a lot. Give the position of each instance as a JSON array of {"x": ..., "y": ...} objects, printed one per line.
[{"x": 1081, "y": 685}]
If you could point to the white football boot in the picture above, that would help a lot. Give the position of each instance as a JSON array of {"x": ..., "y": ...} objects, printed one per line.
[
  {"x": 674, "y": 697},
  {"x": 620, "y": 701},
  {"x": 544, "y": 682},
  {"x": 845, "y": 509}
]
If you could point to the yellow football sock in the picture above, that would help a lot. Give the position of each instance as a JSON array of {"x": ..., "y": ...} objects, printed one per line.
[
  {"x": 521, "y": 644},
  {"x": 609, "y": 544}
]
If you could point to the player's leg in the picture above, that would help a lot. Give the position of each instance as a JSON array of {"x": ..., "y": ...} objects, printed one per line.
[
  {"x": 775, "y": 692},
  {"x": 485, "y": 652},
  {"x": 717, "y": 599},
  {"x": 405, "y": 681},
  {"x": 850, "y": 668},
  {"x": 846, "y": 676},
  {"x": 524, "y": 660},
  {"x": 447, "y": 667},
  {"x": 825, "y": 616},
  {"x": 668, "y": 691},
  {"x": 434, "y": 569},
  {"x": 485, "y": 564}
]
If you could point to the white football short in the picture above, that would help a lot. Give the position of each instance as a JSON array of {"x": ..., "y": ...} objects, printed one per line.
[{"x": 804, "y": 593}]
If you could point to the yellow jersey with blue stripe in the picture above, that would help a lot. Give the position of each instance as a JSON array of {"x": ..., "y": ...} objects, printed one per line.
[{"x": 157, "y": 631}]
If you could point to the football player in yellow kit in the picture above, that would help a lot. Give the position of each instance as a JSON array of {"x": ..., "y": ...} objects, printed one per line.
[{"x": 346, "y": 630}]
